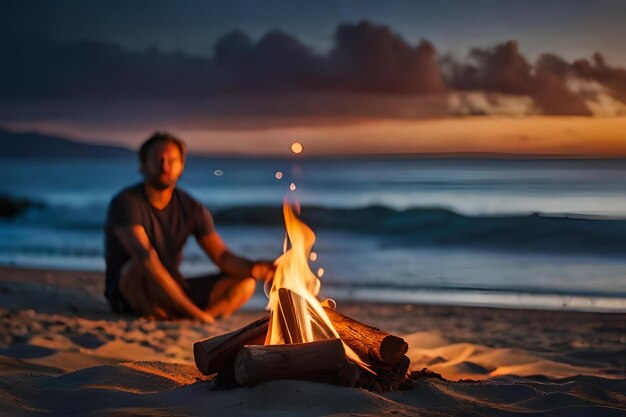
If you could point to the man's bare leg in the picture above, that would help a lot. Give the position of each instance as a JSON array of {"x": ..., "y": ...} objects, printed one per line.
[
  {"x": 133, "y": 286},
  {"x": 228, "y": 294},
  {"x": 147, "y": 297}
]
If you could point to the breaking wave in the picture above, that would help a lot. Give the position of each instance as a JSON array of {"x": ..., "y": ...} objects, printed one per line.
[
  {"x": 419, "y": 226},
  {"x": 443, "y": 227}
]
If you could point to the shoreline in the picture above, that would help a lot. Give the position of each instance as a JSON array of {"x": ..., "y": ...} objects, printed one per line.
[{"x": 467, "y": 298}]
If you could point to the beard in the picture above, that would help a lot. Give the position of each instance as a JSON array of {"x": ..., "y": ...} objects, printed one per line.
[{"x": 160, "y": 183}]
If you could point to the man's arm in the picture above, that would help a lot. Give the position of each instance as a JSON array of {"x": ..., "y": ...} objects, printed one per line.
[
  {"x": 233, "y": 265},
  {"x": 137, "y": 243}
]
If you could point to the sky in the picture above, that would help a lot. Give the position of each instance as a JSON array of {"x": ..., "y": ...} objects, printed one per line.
[
  {"x": 572, "y": 28},
  {"x": 339, "y": 76}
]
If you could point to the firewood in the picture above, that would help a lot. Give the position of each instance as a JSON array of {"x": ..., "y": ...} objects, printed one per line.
[
  {"x": 375, "y": 347},
  {"x": 349, "y": 375},
  {"x": 296, "y": 325},
  {"x": 291, "y": 304},
  {"x": 218, "y": 353},
  {"x": 385, "y": 381},
  {"x": 315, "y": 361}
]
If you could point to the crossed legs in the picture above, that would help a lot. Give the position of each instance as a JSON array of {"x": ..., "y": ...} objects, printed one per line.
[{"x": 148, "y": 298}]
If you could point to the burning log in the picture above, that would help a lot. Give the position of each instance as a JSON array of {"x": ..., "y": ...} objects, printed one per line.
[
  {"x": 240, "y": 355},
  {"x": 375, "y": 347},
  {"x": 290, "y": 323},
  {"x": 386, "y": 380},
  {"x": 323, "y": 360},
  {"x": 218, "y": 353}
]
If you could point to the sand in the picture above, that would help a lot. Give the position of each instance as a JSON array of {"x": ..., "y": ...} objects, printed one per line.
[{"x": 62, "y": 352}]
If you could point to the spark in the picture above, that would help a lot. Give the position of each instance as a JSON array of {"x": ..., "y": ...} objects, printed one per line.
[
  {"x": 296, "y": 147},
  {"x": 278, "y": 175},
  {"x": 292, "y": 187}
]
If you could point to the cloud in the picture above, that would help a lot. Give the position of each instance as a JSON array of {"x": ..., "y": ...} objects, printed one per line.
[
  {"x": 503, "y": 69},
  {"x": 370, "y": 72},
  {"x": 479, "y": 103},
  {"x": 277, "y": 62},
  {"x": 369, "y": 57},
  {"x": 366, "y": 58},
  {"x": 598, "y": 70},
  {"x": 601, "y": 86},
  {"x": 500, "y": 69},
  {"x": 551, "y": 93}
]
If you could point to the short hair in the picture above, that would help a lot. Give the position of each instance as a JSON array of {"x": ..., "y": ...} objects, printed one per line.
[{"x": 161, "y": 137}]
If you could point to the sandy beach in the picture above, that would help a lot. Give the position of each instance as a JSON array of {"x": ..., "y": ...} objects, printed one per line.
[{"x": 62, "y": 352}]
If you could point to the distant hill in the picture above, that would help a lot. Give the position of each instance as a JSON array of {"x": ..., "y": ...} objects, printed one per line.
[{"x": 39, "y": 146}]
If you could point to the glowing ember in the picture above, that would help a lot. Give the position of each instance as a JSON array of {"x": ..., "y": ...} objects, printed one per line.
[
  {"x": 296, "y": 148},
  {"x": 278, "y": 175},
  {"x": 320, "y": 272},
  {"x": 313, "y": 256},
  {"x": 292, "y": 187}
]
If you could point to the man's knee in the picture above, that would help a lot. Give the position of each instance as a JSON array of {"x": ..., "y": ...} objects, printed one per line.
[
  {"x": 247, "y": 287},
  {"x": 229, "y": 295}
]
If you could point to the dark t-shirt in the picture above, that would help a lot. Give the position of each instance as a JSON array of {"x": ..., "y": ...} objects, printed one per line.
[{"x": 167, "y": 229}]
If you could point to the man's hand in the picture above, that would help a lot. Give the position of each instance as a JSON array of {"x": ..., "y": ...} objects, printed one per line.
[
  {"x": 204, "y": 317},
  {"x": 263, "y": 270}
]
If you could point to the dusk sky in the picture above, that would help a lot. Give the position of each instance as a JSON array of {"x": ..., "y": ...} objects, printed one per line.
[{"x": 339, "y": 76}]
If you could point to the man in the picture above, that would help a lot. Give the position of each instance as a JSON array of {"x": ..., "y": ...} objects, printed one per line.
[{"x": 146, "y": 228}]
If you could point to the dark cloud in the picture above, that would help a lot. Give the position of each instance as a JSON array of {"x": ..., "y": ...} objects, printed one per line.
[
  {"x": 499, "y": 69},
  {"x": 551, "y": 93},
  {"x": 277, "y": 62},
  {"x": 504, "y": 69},
  {"x": 554, "y": 64},
  {"x": 366, "y": 59},
  {"x": 598, "y": 70}
]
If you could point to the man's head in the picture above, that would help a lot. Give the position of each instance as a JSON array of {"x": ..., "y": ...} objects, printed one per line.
[{"x": 162, "y": 160}]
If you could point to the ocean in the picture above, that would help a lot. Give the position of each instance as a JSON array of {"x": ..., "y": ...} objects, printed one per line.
[{"x": 518, "y": 233}]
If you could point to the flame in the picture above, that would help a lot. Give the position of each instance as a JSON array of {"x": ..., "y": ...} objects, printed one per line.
[
  {"x": 293, "y": 273},
  {"x": 296, "y": 315}
]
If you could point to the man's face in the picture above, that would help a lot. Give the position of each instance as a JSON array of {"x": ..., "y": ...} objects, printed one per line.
[{"x": 163, "y": 166}]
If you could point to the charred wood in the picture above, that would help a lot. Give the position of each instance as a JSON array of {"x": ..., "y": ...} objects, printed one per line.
[
  {"x": 218, "y": 353},
  {"x": 386, "y": 380}
]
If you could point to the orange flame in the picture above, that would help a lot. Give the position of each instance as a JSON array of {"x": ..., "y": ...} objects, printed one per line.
[{"x": 300, "y": 318}]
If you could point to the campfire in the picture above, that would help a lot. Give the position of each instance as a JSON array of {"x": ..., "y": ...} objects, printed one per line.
[{"x": 303, "y": 338}]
